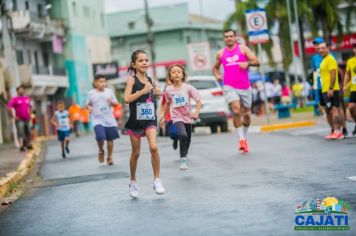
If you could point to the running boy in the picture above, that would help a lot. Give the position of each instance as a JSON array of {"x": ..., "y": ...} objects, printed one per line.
[
  {"x": 61, "y": 121},
  {"x": 178, "y": 98},
  {"x": 139, "y": 94},
  {"x": 99, "y": 102}
]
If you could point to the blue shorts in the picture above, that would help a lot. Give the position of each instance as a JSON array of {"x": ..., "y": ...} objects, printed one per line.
[
  {"x": 106, "y": 133},
  {"x": 62, "y": 134}
]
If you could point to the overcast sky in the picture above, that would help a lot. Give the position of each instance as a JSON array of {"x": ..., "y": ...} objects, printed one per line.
[{"x": 218, "y": 9}]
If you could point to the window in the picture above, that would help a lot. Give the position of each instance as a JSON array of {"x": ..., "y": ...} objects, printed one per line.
[
  {"x": 131, "y": 25},
  {"x": 74, "y": 6},
  {"x": 39, "y": 11},
  {"x": 27, "y": 5},
  {"x": 14, "y": 3},
  {"x": 19, "y": 56},
  {"x": 86, "y": 11},
  {"x": 29, "y": 57}
]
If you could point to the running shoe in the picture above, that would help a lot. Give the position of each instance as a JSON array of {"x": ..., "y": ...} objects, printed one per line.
[
  {"x": 158, "y": 187},
  {"x": 133, "y": 190},
  {"x": 354, "y": 132},
  {"x": 101, "y": 156},
  {"x": 183, "y": 163},
  {"x": 246, "y": 146},
  {"x": 63, "y": 154},
  {"x": 337, "y": 135},
  {"x": 344, "y": 132},
  {"x": 243, "y": 145},
  {"x": 329, "y": 136}
]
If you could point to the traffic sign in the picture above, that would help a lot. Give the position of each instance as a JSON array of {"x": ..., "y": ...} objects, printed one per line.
[{"x": 257, "y": 26}]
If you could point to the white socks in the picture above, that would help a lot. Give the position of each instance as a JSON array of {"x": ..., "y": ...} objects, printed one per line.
[{"x": 242, "y": 132}]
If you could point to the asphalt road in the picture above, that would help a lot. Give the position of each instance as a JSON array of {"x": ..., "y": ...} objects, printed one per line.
[{"x": 222, "y": 192}]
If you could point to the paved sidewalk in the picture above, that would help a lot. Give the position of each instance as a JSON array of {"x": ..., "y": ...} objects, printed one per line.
[{"x": 10, "y": 158}]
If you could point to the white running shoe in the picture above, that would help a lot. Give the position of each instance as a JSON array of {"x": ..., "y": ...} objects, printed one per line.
[
  {"x": 158, "y": 187},
  {"x": 183, "y": 163},
  {"x": 133, "y": 190}
]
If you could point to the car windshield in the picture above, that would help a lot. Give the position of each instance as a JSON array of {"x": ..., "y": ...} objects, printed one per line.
[{"x": 203, "y": 84}]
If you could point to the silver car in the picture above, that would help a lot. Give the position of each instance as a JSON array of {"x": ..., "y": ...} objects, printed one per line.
[{"x": 215, "y": 110}]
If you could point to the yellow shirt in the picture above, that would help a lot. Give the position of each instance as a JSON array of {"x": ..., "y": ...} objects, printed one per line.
[
  {"x": 351, "y": 67},
  {"x": 328, "y": 64},
  {"x": 297, "y": 89}
]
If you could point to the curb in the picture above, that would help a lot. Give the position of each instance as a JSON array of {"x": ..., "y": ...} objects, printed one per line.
[
  {"x": 291, "y": 125},
  {"x": 23, "y": 169}
]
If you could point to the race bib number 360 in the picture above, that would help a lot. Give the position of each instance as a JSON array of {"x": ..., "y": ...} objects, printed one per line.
[
  {"x": 180, "y": 100},
  {"x": 145, "y": 111}
]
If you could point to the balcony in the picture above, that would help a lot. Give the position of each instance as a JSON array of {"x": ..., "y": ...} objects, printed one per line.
[
  {"x": 43, "y": 80},
  {"x": 28, "y": 24}
]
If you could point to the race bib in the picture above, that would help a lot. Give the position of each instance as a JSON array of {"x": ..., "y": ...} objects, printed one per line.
[
  {"x": 145, "y": 111},
  {"x": 180, "y": 100},
  {"x": 103, "y": 109},
  {"x": 63, "y": 122},
  {"x": 353, "y": 81}
]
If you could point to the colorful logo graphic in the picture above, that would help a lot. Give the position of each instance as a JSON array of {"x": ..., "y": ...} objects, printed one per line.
[{"x": 327, "y": 214}]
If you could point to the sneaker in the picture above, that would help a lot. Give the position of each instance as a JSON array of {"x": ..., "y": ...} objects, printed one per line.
[
  {"x": 63, "y": 154},
  {"x": 183, "y": 163},
  {"x": 22, "y": 149},
  {"x": 243, "y": 145},
  {"x": 67, "y": 149},
  {"x": 158, "y": 187},
  {"x": 336, "y": 135},
  {"x": 133, "y": 190},
  {"x": 329, "y": 136},
  {"x": 344, "y": 132},
  {"x": 354, "y": 131},
  {"x": 175, "y": 144}
]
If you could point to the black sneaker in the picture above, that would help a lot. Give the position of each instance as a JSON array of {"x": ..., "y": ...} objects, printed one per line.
[
  {"x": 175, "y": 144},
  {"x": 354, "y": 132},
  {"x": 63, "y": 155},
  {"x": 67, "y": 149}
]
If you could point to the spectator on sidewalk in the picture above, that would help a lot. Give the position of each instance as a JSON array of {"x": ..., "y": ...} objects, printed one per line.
[
  {"x": 285, "y": 94},
  {"x": 74, "y": 113},
  {"x": 297, "y": 89},
  {"x": 84, "y": 118},
  {"x": 20, "y": 110},
  {"x": 276, "y": 92}
]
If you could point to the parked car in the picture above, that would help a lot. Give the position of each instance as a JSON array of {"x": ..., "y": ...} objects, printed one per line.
[{"x": 215, "y": 110}]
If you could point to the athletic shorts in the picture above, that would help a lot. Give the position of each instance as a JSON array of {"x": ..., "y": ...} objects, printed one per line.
[
  {"x": 244, "y": 96},
  {"x": 353, "y": 97},
  {"x": 333, "y": 101},
  {"x": 106, "y": 133},
  {"x": 62, "y": 134}
]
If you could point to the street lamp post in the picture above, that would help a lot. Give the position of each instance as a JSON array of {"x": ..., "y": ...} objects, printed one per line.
[{"x": 150, "y": 39}]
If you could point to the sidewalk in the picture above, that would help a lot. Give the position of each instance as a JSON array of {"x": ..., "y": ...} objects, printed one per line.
[{"x": 10, "y": 158}]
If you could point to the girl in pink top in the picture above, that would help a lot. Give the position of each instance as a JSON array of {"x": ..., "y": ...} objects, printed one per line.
[{"x": 178, "y": 97}]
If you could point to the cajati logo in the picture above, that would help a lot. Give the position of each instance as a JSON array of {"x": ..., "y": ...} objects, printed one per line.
[{"x": 327, "y": 214}]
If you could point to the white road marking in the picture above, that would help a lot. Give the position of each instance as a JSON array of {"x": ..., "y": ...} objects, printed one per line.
[{"x": 353, "y": 178}]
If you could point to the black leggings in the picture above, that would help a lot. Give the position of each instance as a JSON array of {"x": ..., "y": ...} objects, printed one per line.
[{"x": 185, "y": 134}]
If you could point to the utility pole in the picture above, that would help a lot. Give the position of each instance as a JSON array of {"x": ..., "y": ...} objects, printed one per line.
[
  {"x": 301, "y": 53},
  {"x": 291, "y": 39},
  {"x": 150, "y": 39}
]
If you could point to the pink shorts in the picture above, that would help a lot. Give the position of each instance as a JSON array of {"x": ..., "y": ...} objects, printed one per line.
[{"x": 140, "y": 134}]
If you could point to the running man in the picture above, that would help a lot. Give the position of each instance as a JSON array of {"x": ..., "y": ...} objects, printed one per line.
[
  {"x": 330, "y": 90},
  {"x": 236, "y": 59},
  {"x": 350, "y": 76}
]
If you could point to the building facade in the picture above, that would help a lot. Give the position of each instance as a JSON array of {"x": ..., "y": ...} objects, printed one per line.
[{"x": 176, "y": 35}]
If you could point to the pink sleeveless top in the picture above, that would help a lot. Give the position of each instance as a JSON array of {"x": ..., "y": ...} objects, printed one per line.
[{"x": 234, "y": 76}]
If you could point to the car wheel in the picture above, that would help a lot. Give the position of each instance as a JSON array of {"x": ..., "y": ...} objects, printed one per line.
[
  {"x": 214, "y": 129},
  {"x": 224, "y": 127}
]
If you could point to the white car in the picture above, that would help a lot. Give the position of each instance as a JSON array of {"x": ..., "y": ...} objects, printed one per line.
[{"x": 215, "y": 110}]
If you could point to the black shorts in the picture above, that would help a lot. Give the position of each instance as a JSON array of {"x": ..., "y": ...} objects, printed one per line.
[
  {"x": 330, "y": 102},
  {"x": 353, "y": 97}
]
